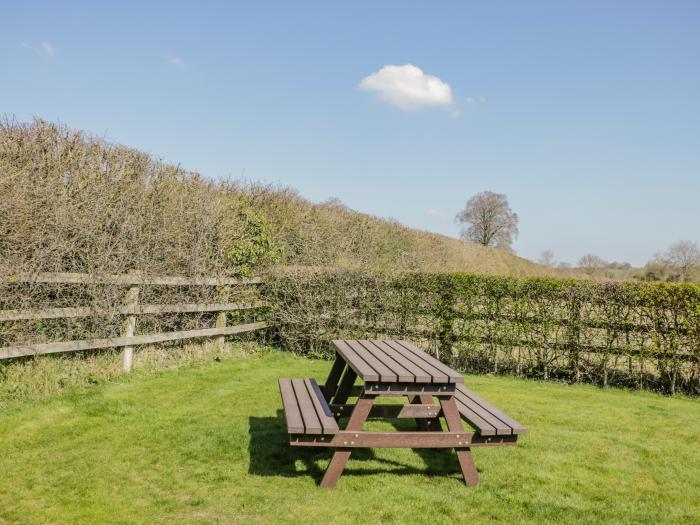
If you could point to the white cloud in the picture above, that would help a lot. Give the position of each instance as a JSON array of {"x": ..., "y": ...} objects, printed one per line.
[
  {"x": 437, "y": 213},
  {"x": 48, "y": 48},
  {"x": 473, "y": 100},
  {"x": 175, "y": 61},
  {"x": 44, "y": 49},
  {"x": 407, "y": 87}
]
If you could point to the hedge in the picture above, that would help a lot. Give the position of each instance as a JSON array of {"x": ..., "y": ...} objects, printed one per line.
[{"x": 636, "y": 335}]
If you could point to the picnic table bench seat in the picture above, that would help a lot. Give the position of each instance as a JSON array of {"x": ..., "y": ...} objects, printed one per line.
[
  {"x": 486, "y": 419},
  {"x": 305, "y": 408}
]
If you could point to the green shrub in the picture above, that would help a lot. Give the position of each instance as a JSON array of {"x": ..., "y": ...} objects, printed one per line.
[
  {"x": 637, "y": 335},
  {"x": 252, "y": 246}
]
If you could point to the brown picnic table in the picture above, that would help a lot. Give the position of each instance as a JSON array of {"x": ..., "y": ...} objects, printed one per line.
[{"x": 391, "y": 368}]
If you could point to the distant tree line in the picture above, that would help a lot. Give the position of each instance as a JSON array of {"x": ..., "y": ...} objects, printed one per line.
[{"x": 680, "y": 262}]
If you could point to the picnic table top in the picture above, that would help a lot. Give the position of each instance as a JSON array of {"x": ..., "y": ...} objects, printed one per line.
[{"x": 394, "y": 361}]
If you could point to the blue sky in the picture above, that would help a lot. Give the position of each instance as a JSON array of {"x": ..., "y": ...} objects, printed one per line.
[{"x": 585, "y": 114}]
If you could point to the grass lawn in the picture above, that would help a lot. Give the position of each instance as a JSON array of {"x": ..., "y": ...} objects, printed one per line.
[{"x": 208, "y": 445}]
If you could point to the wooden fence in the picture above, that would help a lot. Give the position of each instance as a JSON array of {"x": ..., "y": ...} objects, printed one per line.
[{"x": 130, "y": 310}]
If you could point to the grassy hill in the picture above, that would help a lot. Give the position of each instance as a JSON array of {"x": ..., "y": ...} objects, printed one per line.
[
  {"x": 71, "y": 202},
  {"x": 331, "y": 234}
]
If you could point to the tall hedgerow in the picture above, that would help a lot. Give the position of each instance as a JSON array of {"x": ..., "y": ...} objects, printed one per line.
[
  {"x": 70, "y": 202},
  {"x": 638, "y": 335}
]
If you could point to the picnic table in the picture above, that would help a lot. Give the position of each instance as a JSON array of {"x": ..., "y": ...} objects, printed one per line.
[{"x": 391, "y": 368}]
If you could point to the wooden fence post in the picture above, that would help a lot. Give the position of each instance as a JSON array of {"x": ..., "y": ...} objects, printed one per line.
[
  {"x": 131, "y": 302},
  {"x": 223, "y": 297}
]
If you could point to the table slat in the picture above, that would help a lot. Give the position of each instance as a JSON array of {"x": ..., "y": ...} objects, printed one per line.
[
  {"x": 355, "y": 362},
  {"x": 394, "y": 361},
  {"x": 403, "y": 375},
  {"x": 436, "y": 375},
  {"x": 419, "y": 375},
  {"x": 385, "y": 373},
  {"x": 455, "y": 377}
]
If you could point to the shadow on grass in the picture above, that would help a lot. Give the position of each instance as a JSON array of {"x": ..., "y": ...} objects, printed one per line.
[{"x": 272, "y": 455}]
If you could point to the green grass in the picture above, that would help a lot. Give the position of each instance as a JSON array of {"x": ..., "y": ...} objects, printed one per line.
[{"x": 208, "y": 445}]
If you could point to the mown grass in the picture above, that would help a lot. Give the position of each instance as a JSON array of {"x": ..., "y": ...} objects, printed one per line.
[
  {"x": 28, "y": 379},
  {"x": 207, "y": 445}
]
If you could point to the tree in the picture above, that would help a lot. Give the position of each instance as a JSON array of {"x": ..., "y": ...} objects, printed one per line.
[
  {"x": 488, "y": 220},
  {"x": 618, "y": 265},
  {"x": 590, "y": 263},
  {"x": 683, "y": 258},
  {"x": 657, "y": 270},
  {"x": 547, "y": 258}
]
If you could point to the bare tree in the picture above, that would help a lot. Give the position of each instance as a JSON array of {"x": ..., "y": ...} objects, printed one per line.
[
  {"x": 590, "y": 263},
  {"x": 488, "y": 220},
  {"x": 683, "y": 258},
  {"x": 547, "y": 258}
]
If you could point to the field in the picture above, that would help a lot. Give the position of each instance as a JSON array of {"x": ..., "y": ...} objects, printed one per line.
[{"x": 207, "y": 444}]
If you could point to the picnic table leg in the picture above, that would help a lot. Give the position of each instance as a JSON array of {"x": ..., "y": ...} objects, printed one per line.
[
  {"x": 341, "y": 455},
  {"x": 420, "y": 422},
  {"x": 431, "y": 424},
  {"x": 346, "y": 384},
  {"x": 464, "y": 455},
  {"x": 331, "y": 384}
]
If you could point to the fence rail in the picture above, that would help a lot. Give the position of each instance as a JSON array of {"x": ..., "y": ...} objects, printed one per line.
[
  {"x": 130, "y": 310},
  {"x": 10, "y": 352},
  {"x": 146, "y": 309}
]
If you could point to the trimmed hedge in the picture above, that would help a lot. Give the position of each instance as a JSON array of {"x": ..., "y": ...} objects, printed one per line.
[{"x": 636, "y": 335}]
